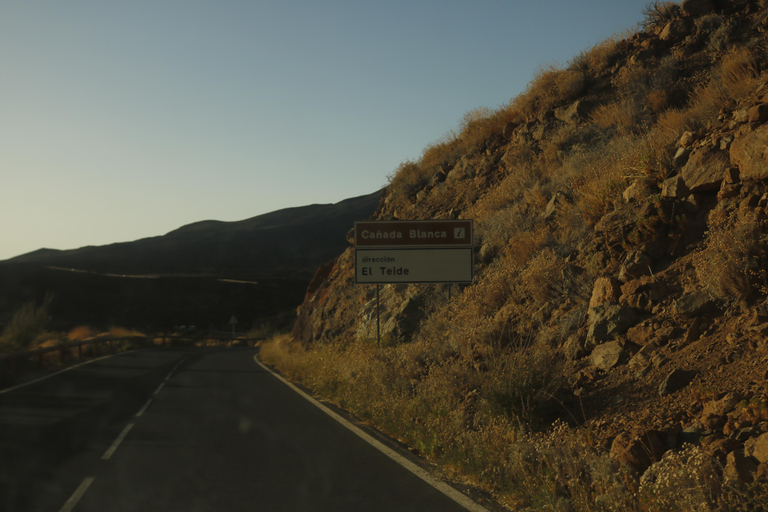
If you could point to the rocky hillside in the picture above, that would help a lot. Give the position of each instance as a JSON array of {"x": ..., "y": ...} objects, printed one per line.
[{"x": 612, "y": 352}]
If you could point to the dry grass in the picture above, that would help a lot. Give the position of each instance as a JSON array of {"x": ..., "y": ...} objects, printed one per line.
[
  {"x": 622, "y": 115},
  {"x": 80, "y": 333},
  {"x": 600, "y": 57},
  {"x": 731, "y": 266},
  {"x": 551, "y": 87},
  {"x": 475, "y": 420},
  {"x": 739, "y": 72}
]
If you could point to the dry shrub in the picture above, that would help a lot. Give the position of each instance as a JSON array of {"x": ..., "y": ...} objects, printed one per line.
[
  {"x": 549, "y": 88},
  {"x": 737, "y": 76},
  {"x": 599, "y": 57},
  {"x": 598, "y": 177},
  {"x": 657, "y": 14},
  {"x": 479, "y": 125},
  {"x": 732, "y": 264},
  {"x": 658, "y": 100},
  {"x": 622, "y": 115},
  {"x": 631, "y": 80},
  {"x": 81, "y": 332},
  {"x": 541, "y": 278},
  {"x": 739, "y": 72},
  {"x": 676, "y": 121},
  {"x": 522, "y": 245},
  {"x": 719, "y": 35},
  {"x": 739, "y": 497},
  {"x": 442, "y": 153},
  {"x": 27, "y": 323},
  {"x": 406, "y": 182},
  {"x": 688, "y": 479},
  {"x": 521, "y": 384},
  {"x": 122, "y": 332}
]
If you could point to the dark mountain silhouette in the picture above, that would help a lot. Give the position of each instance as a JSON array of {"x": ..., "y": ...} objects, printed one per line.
[
  {"x": 291, "y": 242},
  {"x": 201, "y": 273}
]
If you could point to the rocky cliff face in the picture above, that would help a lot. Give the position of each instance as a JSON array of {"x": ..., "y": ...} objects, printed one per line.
[{"x": 621, "y": 210}]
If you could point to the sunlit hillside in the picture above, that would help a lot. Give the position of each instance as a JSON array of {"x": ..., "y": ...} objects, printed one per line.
[{"x": 611, "y": 351}]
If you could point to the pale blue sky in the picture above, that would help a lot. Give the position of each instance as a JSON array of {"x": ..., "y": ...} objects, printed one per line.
[{"x": 123, "y": 120}]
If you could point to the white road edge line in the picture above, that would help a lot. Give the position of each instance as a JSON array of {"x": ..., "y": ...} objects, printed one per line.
[
  {"x": 159, "y": 388},
  {"x": 446, "y": 489},
  {"x": 117, "y": 442},
  {"x": 79, "y": 492},
  {"x": 144, "y": 409},
  {"x": 61, "y": 371}
]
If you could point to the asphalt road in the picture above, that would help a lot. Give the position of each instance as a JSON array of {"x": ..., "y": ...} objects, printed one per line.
[{"x": 189, "y": 430}]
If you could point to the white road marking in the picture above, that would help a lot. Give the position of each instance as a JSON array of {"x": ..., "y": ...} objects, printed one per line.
[
  {"x": 446, "y": 489},
  {"x": 75, "y": 498},
  {"x": 61, "y": 371},
  {"x": 117, "y": 442},
  {"x": 159, "y": 388},
  {"x": 144, "y": 409}
]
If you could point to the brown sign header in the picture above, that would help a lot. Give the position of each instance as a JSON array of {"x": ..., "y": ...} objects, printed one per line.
[{"x": 406, "y": 233}]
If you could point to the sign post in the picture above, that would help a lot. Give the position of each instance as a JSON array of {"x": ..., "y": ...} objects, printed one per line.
[
  {"x": 429, "y": 251},
  {"x": 233, "y": 322}
]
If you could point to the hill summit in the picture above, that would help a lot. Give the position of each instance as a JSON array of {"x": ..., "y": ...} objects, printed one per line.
[{"x": 611, "y": 352}]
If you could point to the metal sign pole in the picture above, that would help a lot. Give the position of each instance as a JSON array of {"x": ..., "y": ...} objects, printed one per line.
[{"x": 378, "y": 317}]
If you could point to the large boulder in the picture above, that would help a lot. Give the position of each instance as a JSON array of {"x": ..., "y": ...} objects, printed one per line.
[
  {"x": 606, "y": 290},
  {"x": 750, "y": 153},
  {"x": 675, "y": 187},
  {"x": 609, "y": 320},
  {"x": 697, "y": 8},
  {"x": 739, "y": 468},
  {"x": 637, "y": 450},
  {"x": 694, "y": 304},
  {"x": 572, "y": 114},
  {"x": 758, "y": 448},
  {"x": 607, "y": 355},
  {"x": 675, "y": 381},
  {"x": 705, "y": 169},
  {"x": 676, "y": 29}
]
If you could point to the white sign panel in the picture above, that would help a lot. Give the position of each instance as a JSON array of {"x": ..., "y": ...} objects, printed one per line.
[{"x": 444, "y": 265}]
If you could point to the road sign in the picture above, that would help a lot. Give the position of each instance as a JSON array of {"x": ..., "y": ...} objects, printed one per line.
[
  {"x": 444, "y": 265},
  {"x": 434, "y": 251},
  {"x": 405, "y": 233}
]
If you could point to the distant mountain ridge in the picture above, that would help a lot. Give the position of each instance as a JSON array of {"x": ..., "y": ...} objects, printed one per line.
[
  {"x": 292, "y": 240},
  {"x": 200, "y": 274}
]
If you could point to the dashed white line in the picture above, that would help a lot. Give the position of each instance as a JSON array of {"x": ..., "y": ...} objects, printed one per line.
[
  {"x": 117, "y": 442},
  {"x": 159, "y": 388},
  {"x": 143, "y": 409},
  {"x": 75, "y": 498}
]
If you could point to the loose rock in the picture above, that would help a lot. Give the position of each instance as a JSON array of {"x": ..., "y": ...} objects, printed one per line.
[{"x": 676, "y": 381}]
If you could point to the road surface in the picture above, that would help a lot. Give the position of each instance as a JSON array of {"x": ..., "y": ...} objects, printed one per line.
[{"x": 188, "y": 429}]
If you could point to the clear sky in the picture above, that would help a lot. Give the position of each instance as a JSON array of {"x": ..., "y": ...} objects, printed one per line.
[{"x": 126, "y": 119}]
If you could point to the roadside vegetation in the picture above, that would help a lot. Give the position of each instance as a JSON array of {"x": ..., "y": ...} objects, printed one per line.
[{"x": 483, "y": 383}]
